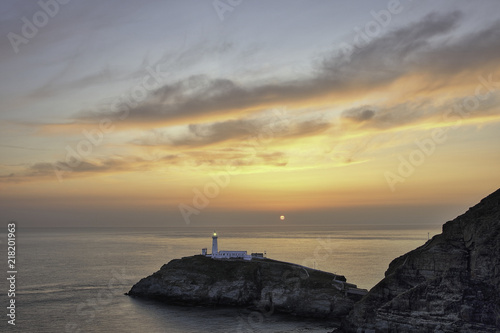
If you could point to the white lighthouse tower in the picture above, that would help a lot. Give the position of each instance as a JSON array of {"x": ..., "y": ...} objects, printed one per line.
[
  {"x": 215, "y": 247},
  {"x": 216, "y": 254}
]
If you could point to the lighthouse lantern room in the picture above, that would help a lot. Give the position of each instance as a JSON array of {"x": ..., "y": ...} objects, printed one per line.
[{"x": 215, "y": 247}]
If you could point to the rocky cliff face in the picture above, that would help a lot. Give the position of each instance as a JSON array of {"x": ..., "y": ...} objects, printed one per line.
[
  {"x": 450, "y": 284},
  {"x": 266, "y": 284}
]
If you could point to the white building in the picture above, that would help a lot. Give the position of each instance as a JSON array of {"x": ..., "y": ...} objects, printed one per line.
[{"x": 216, "y": 254}]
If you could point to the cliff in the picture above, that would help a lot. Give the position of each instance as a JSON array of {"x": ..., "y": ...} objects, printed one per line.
[
  {"x": 450, "y": 284},
  {"x": 265, "y": 284}
]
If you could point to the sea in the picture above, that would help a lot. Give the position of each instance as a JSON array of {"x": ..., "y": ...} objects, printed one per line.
[{"x": 74, "y": 279}]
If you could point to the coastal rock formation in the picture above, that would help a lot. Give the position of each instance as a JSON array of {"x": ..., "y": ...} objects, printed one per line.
[
  {"x": 450, "y": 284},
  {"x": 265, "y": 284}
]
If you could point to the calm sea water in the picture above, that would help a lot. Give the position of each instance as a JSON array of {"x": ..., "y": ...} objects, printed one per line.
[{"x": 73, "y": 280}]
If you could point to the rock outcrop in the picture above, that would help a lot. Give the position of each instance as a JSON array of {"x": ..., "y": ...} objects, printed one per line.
[
  {"x": 265, "y": 284},
  {"x": 450, "y": 284}
]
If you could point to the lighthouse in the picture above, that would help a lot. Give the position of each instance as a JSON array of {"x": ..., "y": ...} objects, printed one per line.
[
  {"x": 215, "y": 248},
  {"x": 216, "y": 254}
]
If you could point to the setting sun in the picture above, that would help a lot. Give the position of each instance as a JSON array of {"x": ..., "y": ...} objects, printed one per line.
[
  {"x": 339, "y": 125},
  {"x": 143, "y": 136}
]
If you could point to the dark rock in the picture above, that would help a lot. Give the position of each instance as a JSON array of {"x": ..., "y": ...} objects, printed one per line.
[
  {"x": 450, "y": 284},
  {"x": 264, "y": 284}
]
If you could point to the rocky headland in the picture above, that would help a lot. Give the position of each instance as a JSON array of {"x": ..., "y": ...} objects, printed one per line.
[
  {"x": 264, "y": 284},
  {"x": 450, "y": 284}
]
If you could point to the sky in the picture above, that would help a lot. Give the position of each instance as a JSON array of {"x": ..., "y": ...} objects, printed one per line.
[{"x": 235, "y": 112}]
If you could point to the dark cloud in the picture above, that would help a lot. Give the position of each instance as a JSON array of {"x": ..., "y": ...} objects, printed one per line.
[
  {"x": 307, "y": 128},
  {"x": 202, "y": 134},
  {"x": 101, "y": 166},
  {"x": 200, "y": 96},
  {"x": 422, "y": 110},
  {"x": 215, "y": 159},
  {"x": 263, "y": 129},
  {"x": 393, "y": 54},
  {"x": 49, "y": 171},
  {"x": 479, "y": 49},
  {"x": 390, "y": 117},
  {"x": 358, "y": 115},
  {"x": 420, "y": 46},
  {"x": 426, "y": 46}
]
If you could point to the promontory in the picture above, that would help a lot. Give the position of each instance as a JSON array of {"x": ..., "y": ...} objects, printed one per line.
[
  {"x": 450, "y": 284},
  {"x": 262, "y": 283}
]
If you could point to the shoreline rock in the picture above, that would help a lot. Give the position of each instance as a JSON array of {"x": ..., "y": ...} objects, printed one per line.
[{"x": 264, "y": 284}]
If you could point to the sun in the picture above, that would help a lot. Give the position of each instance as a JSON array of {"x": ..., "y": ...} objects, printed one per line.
[{"x": 282, "y": 217}]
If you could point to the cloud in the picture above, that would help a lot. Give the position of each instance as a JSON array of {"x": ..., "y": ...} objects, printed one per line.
[
  {"x": 477, "y": 50},
  {"x": 244, "y": 131},
  {"x": 227, "y": 112},
  {"x": 393, "y": 54},
  {"x": 57, "y": 85},
  {"x": 196, "y": 159},
  {"x": 207, "y": 134},
  {"x": 358, "y": 115},
  {"x": 423, "y": 47},
  {"x": 469, "y": 109},
  {"x": 388, "y": 117},
  {"x": 49, "y": 171},
  {"x": 275, "y": 158}
]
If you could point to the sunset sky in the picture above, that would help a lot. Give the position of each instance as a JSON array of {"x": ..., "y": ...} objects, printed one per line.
[{"x": 206, "y": 113}]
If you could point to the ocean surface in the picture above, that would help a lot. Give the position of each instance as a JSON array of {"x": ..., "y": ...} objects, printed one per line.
[{"x": 74, "y": 280}]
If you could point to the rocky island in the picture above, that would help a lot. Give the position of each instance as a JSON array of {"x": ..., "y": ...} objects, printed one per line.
[{"x": 262, "y": 283}]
